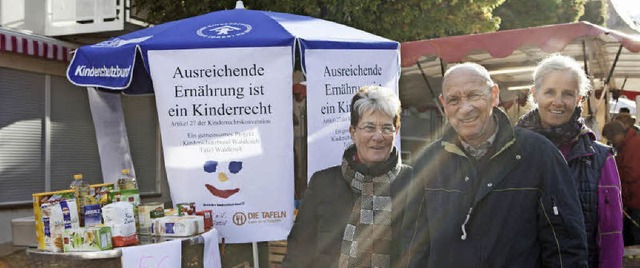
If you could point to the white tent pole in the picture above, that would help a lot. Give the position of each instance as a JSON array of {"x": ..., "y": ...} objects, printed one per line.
[{"x": 256, "y": 259}]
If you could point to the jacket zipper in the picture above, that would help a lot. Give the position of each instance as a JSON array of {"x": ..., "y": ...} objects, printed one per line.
[{"x": 466, "y": 220}]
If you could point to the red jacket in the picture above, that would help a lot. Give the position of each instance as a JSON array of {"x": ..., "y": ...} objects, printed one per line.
[{"x": 628, "y": 160}]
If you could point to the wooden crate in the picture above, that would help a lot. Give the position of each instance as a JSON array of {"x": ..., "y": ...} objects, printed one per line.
[
  {"x": 277, "y": 250},
  {"x": 243, "y": 265}
]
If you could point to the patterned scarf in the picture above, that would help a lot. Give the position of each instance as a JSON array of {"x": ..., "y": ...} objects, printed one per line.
[
  {"x": 367, "y": 237},
  {"x": 563, "y": 134}
]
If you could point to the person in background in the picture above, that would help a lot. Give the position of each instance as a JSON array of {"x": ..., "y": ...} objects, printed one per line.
[
  {"x": 559, "y": 87},
  {"x": 351, "y": 213},
  {"x": 627, "y": 144},
  {"x": 627, "y": 122},
  {"x": 493, "y": 195}
]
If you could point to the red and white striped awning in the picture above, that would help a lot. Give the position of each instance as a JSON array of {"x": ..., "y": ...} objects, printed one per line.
[{"x": 35, "y": 45}]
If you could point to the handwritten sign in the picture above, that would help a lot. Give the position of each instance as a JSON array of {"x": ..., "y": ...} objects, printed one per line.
[{"x": 167, "y": 254}]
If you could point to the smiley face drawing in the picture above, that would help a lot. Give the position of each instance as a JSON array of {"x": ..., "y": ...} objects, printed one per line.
[{"x": 211, "y": 166}]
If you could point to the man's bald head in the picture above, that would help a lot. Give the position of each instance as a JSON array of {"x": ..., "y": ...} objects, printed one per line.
[{"x": 468, "y": 68}]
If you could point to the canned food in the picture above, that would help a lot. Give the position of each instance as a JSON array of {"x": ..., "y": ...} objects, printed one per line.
[{"x": 187, "y": 208}]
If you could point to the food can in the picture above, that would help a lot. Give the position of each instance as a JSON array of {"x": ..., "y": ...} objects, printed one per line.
[
  {"x": 186, "y": 208},
  {"x": 146, "y": 213},
  {"x": 207, "y": 214}
]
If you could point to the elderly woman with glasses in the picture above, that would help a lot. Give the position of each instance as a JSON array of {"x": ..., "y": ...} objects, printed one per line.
[
  {"x": 559, "y": 87},
  {"x": 351, "y": 213}
]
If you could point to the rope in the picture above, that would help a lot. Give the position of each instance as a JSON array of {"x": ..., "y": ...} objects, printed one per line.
[{"x": 629, "y": 217}]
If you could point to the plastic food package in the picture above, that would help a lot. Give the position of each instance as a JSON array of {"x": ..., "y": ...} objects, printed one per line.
[
  {"x": 199, "y": 222},
  {"x": 56, "y": 217},
  {"x": 40, "y": 199},
  {"x": 119, "y": 216},
  {"x": 177, "y": 226},
  {"x": 100, "y": 192},
  {"x": 130, "y": 195},
  {"x": 87, "y": 239}
]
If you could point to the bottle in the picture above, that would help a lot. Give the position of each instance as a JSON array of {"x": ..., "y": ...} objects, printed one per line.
[
  {"x": 83, "y": 195},
  {"x": 126, "y": 181}
]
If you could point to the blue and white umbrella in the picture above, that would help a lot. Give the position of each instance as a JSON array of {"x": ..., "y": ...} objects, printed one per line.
[{"x": 121, "y": 63}]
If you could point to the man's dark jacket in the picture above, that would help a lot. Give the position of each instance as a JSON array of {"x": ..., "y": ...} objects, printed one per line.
[{"x": 525, "y": 212}]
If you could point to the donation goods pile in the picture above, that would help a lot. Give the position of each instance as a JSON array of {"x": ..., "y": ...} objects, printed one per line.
[{"x": 100, "y": 217}]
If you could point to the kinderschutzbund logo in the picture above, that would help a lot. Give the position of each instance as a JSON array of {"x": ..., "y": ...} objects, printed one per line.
[{"x": 224, "y": 30}]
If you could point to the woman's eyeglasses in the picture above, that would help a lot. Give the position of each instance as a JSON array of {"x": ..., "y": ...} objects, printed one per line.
[{"x": 372, "y": 129}]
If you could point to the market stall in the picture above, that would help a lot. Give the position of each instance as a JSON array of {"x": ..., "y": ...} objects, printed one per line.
[{"x": 611, "y": 59}]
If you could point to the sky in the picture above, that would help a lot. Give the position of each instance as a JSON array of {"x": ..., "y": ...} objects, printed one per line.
[{"x": 632, "y": 7}]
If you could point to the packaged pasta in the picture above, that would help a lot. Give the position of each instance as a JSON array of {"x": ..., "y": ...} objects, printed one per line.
[
  {"x": 48, "y": 199},
  {"x": 56, "y": 218}
]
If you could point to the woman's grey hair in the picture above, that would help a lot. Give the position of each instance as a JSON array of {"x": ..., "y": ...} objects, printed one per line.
[
  {"x": 557, "y": 62},
  {"x": 375, "y": 98}
]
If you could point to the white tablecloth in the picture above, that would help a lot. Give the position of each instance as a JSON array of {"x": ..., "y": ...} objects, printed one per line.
[{"x": 169, "y": 253}]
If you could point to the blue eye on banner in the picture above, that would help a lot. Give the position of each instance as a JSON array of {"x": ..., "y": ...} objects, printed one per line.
[
  {"x": 210, "y": 166},
  {"x": 235, "y": 166}
]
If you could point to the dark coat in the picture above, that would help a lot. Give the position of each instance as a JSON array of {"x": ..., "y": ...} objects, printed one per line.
[
  {"x": 525, "y": 212},
  {"x": 316, "y": 237}
]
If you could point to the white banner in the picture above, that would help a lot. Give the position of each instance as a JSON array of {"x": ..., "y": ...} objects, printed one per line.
[
  {"x": 111, "y": 134},
  {"x": 333, "y": 76},
  {"x": 226, "y": 123}
]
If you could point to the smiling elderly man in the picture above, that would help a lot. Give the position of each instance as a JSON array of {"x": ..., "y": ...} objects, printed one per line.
[{"x": 490, "y": 195}]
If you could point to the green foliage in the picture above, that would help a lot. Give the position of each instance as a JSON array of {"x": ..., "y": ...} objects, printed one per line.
[
  {"x": 528, "y": 13},
  {"x": 595, "y": 12},
  {"x": 393, "y": 19}
]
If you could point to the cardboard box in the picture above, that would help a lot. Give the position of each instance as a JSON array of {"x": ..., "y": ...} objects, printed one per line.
[
  {"x": 95, "y": 238},
  {"x": 23, "y": 231}
]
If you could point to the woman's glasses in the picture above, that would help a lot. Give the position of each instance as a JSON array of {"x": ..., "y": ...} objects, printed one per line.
[{"x": 386, "y": 130}]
